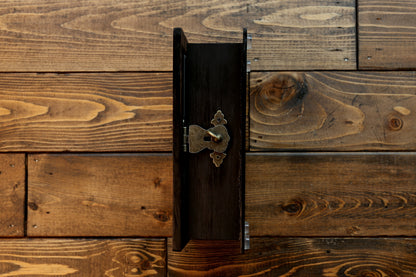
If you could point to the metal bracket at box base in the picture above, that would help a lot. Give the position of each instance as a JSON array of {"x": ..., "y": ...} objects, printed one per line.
[{"x": 209, "y": 84}]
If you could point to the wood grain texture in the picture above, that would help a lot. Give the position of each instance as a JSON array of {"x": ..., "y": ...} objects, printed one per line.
[
  {"x": 356, "y": 257},
  {"x": 133, "y": 111},
  {"x": 330, "y": 194},
  {"x": 387, "y": 37},
  {"x": 12, "y": 194},
  {"x": 86, "y": 112},
  {"x": 215, "y": 80},
  {"x": 99, "y": 195},
  {"x": 82, "y": 257},
  {"x": 127, "y": 35},
  {"x": 334, "y": 111},
  {"x": 287, "y": 194}
]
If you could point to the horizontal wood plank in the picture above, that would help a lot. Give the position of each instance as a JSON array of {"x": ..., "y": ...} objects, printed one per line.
[
  {"x": 132, "y": 112},
  {"x": 83, "y": 257},
  {"x": 86, "y": 112},
  {"x": 298, "y": 257},
  {"x": 387, "y": 37},
  {"x": 126, "y": 35},
  {"x": 100, "y": 195},
  {"x": 287, "y": 194},
  {"x": 12, "y": 194},
  {"x": 333, "y": 111},
  {"x": 358, "y": 194}
]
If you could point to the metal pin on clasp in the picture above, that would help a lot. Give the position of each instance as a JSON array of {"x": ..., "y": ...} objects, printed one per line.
[{"x": 214, "y": 137}]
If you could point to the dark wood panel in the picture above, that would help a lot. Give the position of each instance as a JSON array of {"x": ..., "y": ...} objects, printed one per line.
[
  {"x": 12, "y": 194},
  {"x": 387, "y": 37},
  {"x": 208, "y": 200},
  {"x": 100, "y": 195},
  {"x": 333, "y": 111},
  {"x": 82, "y": 257},
  {"x": 287, "y": 194},
  {"x": 216, "y": 81},
  {"x": 86, "y": 112},
  {"x": 329, "y": 194},
  {"x": 298, "y": 257},
  {"x": 127, "y": 35}
]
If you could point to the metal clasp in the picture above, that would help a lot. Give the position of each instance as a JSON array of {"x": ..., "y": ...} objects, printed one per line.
[{"x": 215, "y": 138}]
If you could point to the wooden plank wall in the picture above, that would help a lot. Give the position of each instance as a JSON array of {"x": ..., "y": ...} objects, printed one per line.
[{"x": 85, "y": 137}]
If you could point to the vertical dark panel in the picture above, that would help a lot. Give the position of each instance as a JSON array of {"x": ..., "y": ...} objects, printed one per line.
[
  {"x": 180, "y": 160},
  {"x": 214, "y": 79},
  {"x": 213, "y": 82}
]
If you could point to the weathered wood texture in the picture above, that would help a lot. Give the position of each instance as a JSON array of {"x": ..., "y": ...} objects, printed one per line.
[
  {"x": 99, "y": 195},
  {"x": 12, "y": 194},
  {"x": 287, "y": 194},
  {"x": 387, "y": 37},
  {"x": 329, "y": 194},
  {"x": 329, "y": 257},
  {"x": 127, "y": 35},
  {"x": 333, "y": 111},
  {"x": 82, "y": 257},
  {"x": 133, "y": 111},
  {"x": 86, "y": 112}
]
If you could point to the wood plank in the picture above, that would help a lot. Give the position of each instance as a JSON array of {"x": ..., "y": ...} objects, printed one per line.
[
  {"x": 298, "y": 257},
  {"x": 287, "y": 194},
  {"x": 335, "y": 111},
  {"x": 86, "y": 112},
  {"x": 12, "y": 194},
  {"x": 126, "y": 35},
  {"x": 387, "y": 37},
  {"x": 132, "y": 112},
  {"x": 83, "y": 257},
  {"x": 100, "y": 195},
  {"x": 330, "y": 194}
]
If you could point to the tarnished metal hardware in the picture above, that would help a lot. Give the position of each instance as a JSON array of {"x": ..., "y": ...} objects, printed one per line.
[
  {"x": 246, "y": 236},
  {"x": 215, "y": 138},
  {"x": 217, "y": 158}
]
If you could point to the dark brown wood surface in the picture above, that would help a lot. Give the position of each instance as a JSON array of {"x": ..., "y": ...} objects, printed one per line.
[
  {"x": 83, "y": 257},
  {"x": 99, "y": 195},
  {"x": 387, "y": 37},
  {"x": 330, "y": 194},
  {"x": 331, "y": 257},
  {"x": 12, "y": 194},
  {"x": 104, "y": 35},
  {"x": 332, "y": 111},
  {"x": 86, "y": 112},
  {"x": 180, "y": 157},
  {"x": 287, "y": 194},
  {"x": 215, "y": 80}
]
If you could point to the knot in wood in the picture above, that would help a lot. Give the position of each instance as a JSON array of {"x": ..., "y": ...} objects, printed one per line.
[
  {"x": 395, "y": 123},
  {"x": 281, "y": 92},
  {"x": 33, "y": 206},
  {"x": 367, "y": 273},
  {"x": 293, "y": 208}
]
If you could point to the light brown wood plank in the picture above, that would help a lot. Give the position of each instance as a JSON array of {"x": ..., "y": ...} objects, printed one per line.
[
  {"x": 330, "y": 194},
  {"x": 100, "y": 195},
  {"x": 335, "y": 111},
  {"x": 83, "y": 257},
  {"x": 86, "y": 112},
  {"x": 298, "y": 257},
  {"x": 132, "y": 112},
  {"x": 387, "y": 37},
  {"x": 12, "y": 194},
  {"x": 287, "y": 194},
  {"x": 106, "y": 35}
]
